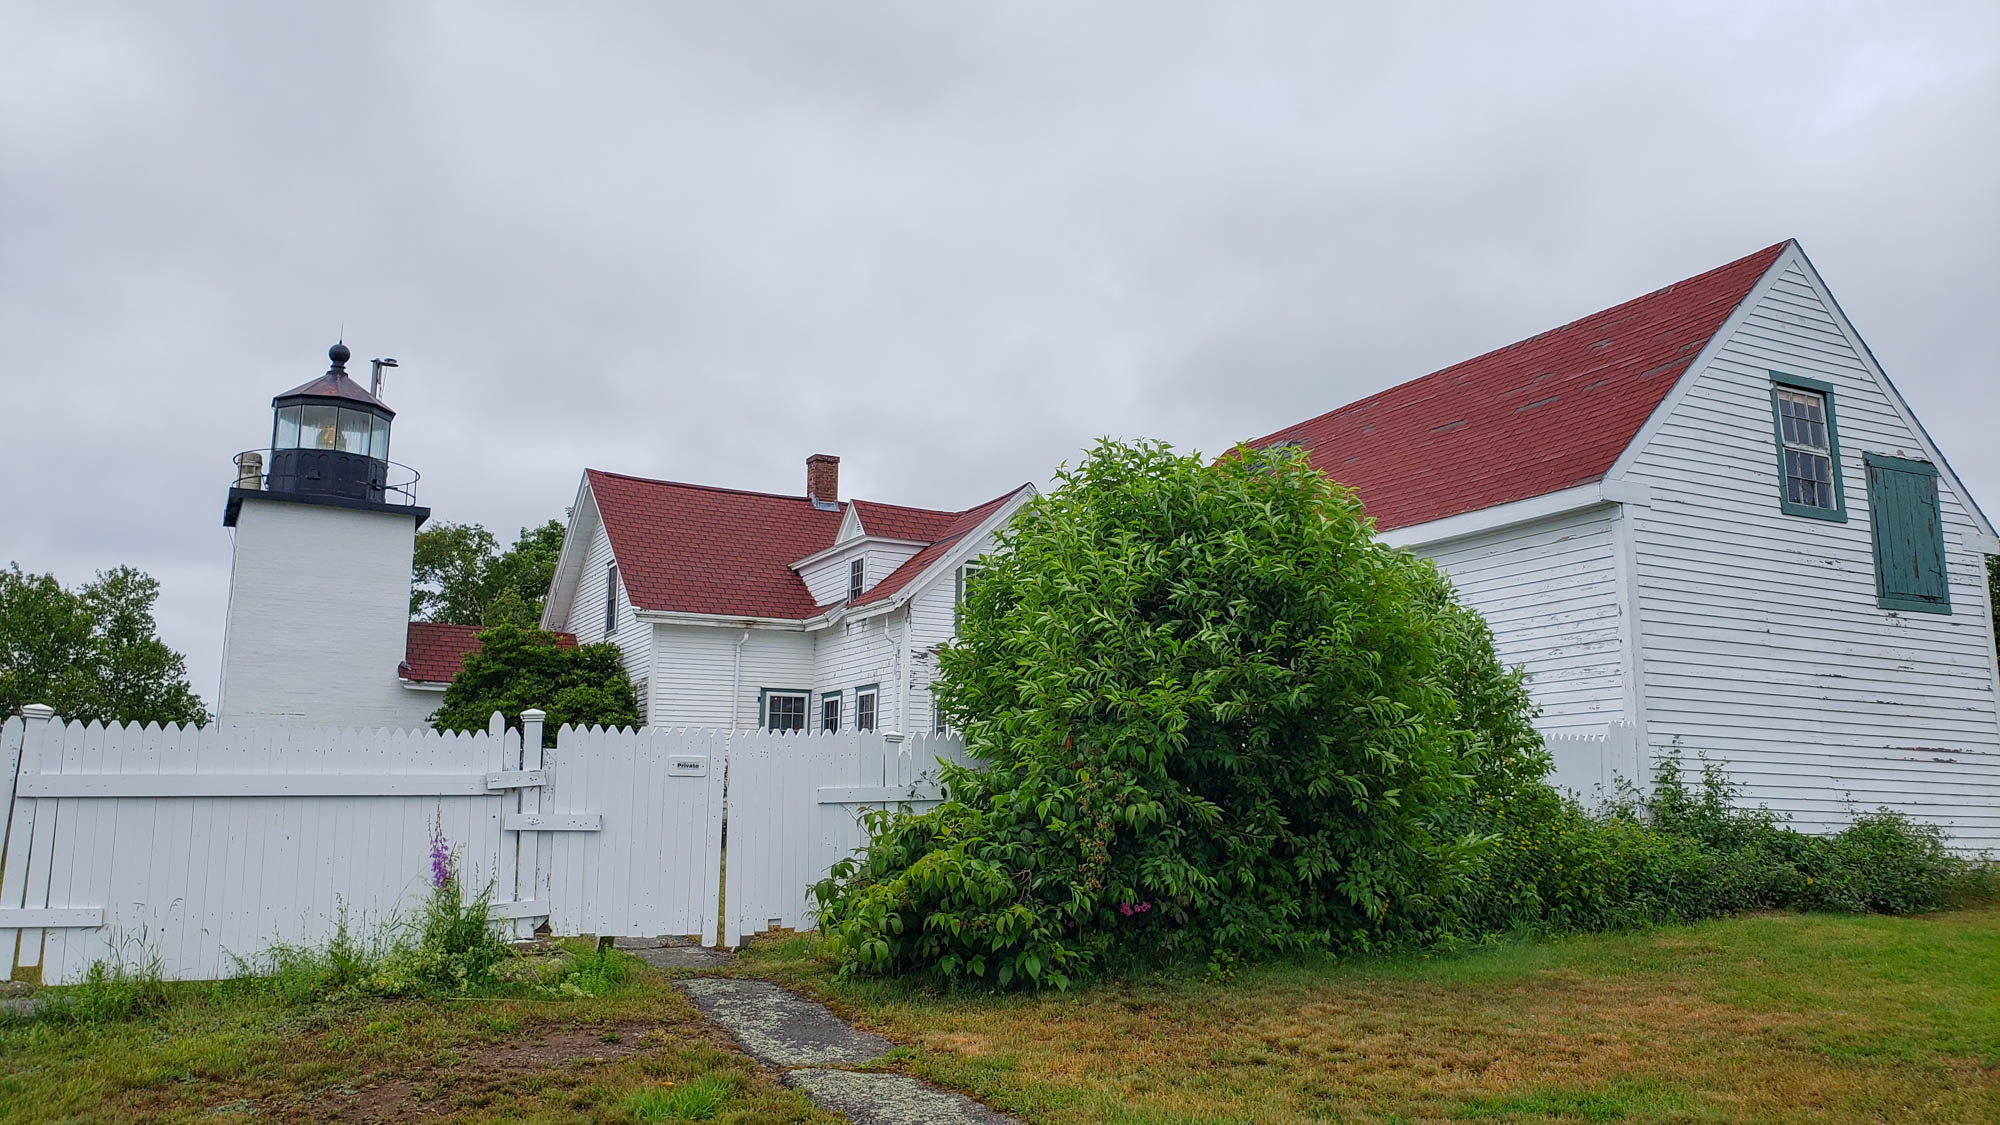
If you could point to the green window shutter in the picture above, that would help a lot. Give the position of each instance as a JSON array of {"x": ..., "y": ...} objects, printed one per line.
[{"x": 1909, "y": 537}]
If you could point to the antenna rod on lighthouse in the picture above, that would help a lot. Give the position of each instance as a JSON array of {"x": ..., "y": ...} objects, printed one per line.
[{"x": 375, "y": 379}]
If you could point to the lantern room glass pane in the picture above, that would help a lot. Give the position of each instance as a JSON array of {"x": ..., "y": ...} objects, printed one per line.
[
  {"x": 378, "y": 442},
  {"x": 319, "y": 427},
  {"x": 354, "y": 427},
  {"x": 288, "y": 429}
]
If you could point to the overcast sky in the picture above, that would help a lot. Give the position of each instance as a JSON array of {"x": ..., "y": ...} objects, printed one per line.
[{"x": 951, "y": 243}]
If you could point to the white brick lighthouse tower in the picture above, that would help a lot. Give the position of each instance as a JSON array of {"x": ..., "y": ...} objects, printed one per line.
[{"x": 324, "y": 525}]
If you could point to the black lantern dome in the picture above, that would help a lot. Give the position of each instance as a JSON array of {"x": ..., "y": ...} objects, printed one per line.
[{"x": 330, "y": 437}]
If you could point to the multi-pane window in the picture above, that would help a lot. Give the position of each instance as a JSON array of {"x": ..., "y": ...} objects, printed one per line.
[
  {"x": 610, "y": 599},
  {"x": 1808, "y": 448},
  {"x": 864, "y": 709},
  {"x": 785, "y": 710},
  {"x": 1808, "y": 457},
  {"x": 857, "y": 577},
  {"x": 829, "y": 712}
]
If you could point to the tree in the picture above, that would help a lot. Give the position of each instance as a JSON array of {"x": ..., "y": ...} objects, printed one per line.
[
  {"x": 516, "y": 669},
  {"x": 1217, "y": 717},
  {"x": 1993, "y": 593},
  {"x": 460, "y": 574},
  {"x": 93, "y": 653}
]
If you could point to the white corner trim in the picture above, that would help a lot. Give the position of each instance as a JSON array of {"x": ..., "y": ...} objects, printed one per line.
[
  {"x": 1983, "y": 543},
  {"x": 422, "y": 685},
  {"x": 1500, "y": 515},
  {"x": 1627, "y": 492}
]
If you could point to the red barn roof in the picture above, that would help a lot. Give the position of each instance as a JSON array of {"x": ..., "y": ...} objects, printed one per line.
[
  {"x": 433, "y": 652},
  {"x": 1548, "y": 413}
]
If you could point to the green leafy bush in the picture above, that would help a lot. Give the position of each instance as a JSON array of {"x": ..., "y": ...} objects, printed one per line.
[
  {"x": 1218, "y": 719},
  {"x": 516, "y": 669}
]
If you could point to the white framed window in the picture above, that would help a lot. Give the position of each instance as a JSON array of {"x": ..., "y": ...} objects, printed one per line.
[
  {"x": 784, "y": 710},
  {"x": 610, "y": 599},
  {"x": 857, "y": 577},
  {"x": 829, "y": 712},
  {"x": 641, "y": 688},
  {"x": 938, "y": 724},
  {"x": 963, "y": 575},
  {"x": 1808, "y": 448},
  {"x": 865, "y": 699}
]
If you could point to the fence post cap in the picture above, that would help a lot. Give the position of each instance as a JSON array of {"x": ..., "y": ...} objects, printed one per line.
[
  {"x": 534, "y": 715},
  {"x": 37, "y": 711},
  {"x": 892, "y": 737}
]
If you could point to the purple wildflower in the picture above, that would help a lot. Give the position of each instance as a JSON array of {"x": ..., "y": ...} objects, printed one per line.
[{"x": 441, "y": 858}]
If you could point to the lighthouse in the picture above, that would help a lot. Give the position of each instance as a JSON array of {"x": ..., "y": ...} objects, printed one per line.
[{"x": 323, "y": 527}]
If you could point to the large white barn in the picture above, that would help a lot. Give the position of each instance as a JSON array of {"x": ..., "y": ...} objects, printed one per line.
[
  {"x": 1707, "y": 513},
  {"x": 746, "y": 610}
]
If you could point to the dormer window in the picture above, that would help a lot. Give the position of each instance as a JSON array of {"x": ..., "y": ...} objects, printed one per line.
[{"x": 857, "y": 577}]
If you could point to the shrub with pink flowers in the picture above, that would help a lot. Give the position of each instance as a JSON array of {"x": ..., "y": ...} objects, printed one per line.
[{"x": 1218, "y": 719}]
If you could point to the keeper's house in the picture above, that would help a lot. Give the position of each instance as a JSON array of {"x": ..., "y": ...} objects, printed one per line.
[
  {"x": 1708, "y": 514},
  {"x": 748, "y": 610}
]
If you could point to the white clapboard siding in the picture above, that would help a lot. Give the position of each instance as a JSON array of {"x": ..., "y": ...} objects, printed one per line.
[
  {"x": 652, "y": 867},
  {"x": 794, "y": 804},
  {"x": 633, "y": 637},
  {"x": 1763, "y": 647},
  {"x": 250, "y": 836},
  {"x": 1549, "y": 590}
]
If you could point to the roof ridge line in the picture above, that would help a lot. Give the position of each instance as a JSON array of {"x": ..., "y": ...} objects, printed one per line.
[
  {"x": 706, "y": 487},
  {"x": 1543, "y": 334}
]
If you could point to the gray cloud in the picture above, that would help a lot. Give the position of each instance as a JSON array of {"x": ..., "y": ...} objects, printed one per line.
[{"x": 951, "y": 245}]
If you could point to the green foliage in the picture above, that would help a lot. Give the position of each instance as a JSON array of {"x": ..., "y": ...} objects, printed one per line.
[
  {"x": 1682, "y": 852},
  {"x": 94, "y": 653},
  {"x": 698, "y": 1100},
  {"x": 107, "y": 994},
  {"x": 1993, "y": 593},
  {"x": 1219, "y": 719},
  {"x": 592, "y": 971},
  {"x": 516, "y": 669},
  {"x": 463, "y": 578}
]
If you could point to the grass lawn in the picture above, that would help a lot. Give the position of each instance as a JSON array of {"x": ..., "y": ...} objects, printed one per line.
[
  {"x": 222, "y": 1053},
  {"x": 1778, "y": 1017}
]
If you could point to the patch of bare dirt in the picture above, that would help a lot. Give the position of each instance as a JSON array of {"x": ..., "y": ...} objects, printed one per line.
[{"x": 482, "y": 1074}]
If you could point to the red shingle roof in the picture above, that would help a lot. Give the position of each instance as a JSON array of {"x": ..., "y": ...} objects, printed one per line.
[
  {"x": 956, "y": 527},
  {"x": 434, "y": 652},
  {"x": 1549, "y": 413},
  {"x": 691, "y": 548},
  {"x": 893, "y": 521}
]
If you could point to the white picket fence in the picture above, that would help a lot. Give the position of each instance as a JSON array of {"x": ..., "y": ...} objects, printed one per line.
[
  {"x": 196, "y": 850},
  {"x": 1590, "y": 765}
]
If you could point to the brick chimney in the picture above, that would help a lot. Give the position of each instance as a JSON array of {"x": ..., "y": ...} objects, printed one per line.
[{"x": 823, "y": 476}]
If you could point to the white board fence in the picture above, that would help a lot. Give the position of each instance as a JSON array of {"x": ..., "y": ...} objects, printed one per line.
[
  {"x": 794, "y": 810},
  {"x": 196, "y": 850}
]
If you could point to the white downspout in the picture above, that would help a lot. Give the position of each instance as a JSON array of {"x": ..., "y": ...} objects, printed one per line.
[{"x": 736, "y": 685}]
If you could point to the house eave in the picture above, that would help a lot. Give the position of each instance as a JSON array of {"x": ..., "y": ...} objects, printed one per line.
[
  {"x": 1562, "y": 502},
  {"x": 858, "y": 541}
]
